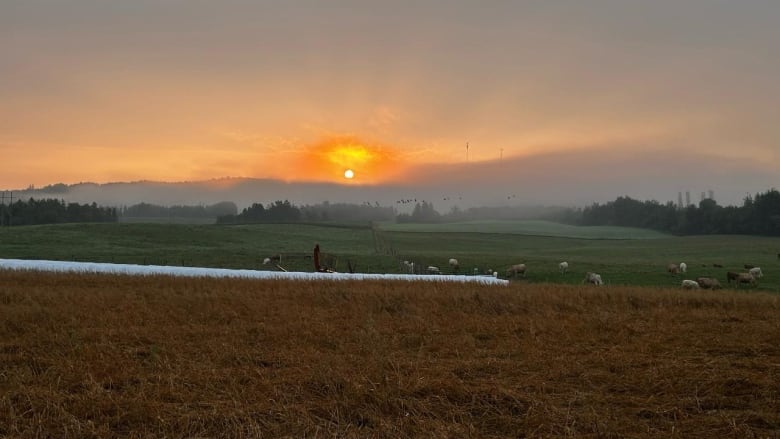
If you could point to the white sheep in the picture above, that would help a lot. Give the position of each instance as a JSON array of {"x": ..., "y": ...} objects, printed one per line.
[
  {"x": 756, "y": 272},
  {"x": 690, "y": 284},
  {"x": 592, "y": 278},
  {"x": 454, "y": 264},
  {"x": 515, "y": 270},
  {"x": 683, "y": 267},
  {"x": 409, "y": 266},
  {"x": 563, "y": 266},
  {"x": 266, "y": 261},
  {"x": 433, "y": 270}
]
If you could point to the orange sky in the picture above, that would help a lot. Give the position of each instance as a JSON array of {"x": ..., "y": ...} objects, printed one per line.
[{"x": 153, "y": 90}]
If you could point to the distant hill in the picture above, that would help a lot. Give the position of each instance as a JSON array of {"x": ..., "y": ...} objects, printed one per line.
[
  {"x": 247, "y": 191},
  {"x": 573, "y": 178}
]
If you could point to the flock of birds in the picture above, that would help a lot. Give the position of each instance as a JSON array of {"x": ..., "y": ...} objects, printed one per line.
[{"x": 443, "y": 198}]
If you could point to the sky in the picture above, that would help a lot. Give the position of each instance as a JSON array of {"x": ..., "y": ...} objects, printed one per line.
[{"x": 397, "y": 92}]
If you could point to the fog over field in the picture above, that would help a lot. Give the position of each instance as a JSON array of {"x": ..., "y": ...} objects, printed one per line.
[{"x": 562, "y": 179}]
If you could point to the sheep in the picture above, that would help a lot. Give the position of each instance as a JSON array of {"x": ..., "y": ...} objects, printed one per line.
[
  {"x": 563, "y": 266},
  {"x": 756, "y": 272},
  {"x": 673, "y": 268},
  {"x": 433, "y": 270},
  {"x": 690, "y": 284},
  {"x": 408, "y": 267},
  {"x": 708, "y": 283},
  {"x": 454, "y": 264},
  {"x": 746, "y": 278},
  {"x": 516, "y": 269},
  {"x": 277, "y": 258},
  {"x": 740, "y": 278},
  {"x": 683, "y": 267},
  {"x": 748, "y": 266},
  {"x": 592, "y": 278}
]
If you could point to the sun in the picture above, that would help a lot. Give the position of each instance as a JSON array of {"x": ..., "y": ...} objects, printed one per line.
[{"x": 347, "y": 160}]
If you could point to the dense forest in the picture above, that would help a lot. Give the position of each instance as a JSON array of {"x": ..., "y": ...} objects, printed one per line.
[
  {"x": 53, "y": 211},
  {"x": 758, "y": 215}
]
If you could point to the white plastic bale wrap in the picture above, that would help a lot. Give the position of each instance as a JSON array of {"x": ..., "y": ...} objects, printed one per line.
[{"x": 150, "y": 270}]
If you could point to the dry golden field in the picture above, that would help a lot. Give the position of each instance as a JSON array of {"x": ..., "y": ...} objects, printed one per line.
[{"x": 118, "y": 356}]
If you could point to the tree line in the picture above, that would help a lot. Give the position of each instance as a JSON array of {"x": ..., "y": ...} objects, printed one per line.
[
  {"x": 758, "y": 215},
  {"x": 286, "y": 212},
  {"x": 54, "y": 211},
  {"x": 424, "y": 212}
]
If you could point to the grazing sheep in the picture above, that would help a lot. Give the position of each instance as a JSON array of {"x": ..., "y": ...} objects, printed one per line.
[
  {"x": 756, "y": 272},
  {"x": 708, "y": 283},
  {"x": 740, "y": 278},
  {"x": 673, "y": 268},
  {"x": 495, "y": 274},
  {"x": 690, "y": 284},
  {"x": 563, "y": 266},
  {"x": 515, "y": 270},
  {"x": 433, "y": 270},
  {"x": 592, "y": 278},
  {"x": 683, "y": 267},
  {"x": 454, "y": 264},
  {"x": 746, "y": 278},
  {"x": 277, "y": 258}
]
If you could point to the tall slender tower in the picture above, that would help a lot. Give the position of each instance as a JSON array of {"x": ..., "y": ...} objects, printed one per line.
[
  {"x": 679, "y": 200},
  {"x": 687, "y": 198}
]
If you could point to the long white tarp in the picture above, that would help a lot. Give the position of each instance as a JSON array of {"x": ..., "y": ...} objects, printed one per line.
[{"x": 149, "y": 270}]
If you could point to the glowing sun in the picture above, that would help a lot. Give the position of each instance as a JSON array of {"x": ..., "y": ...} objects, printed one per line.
[{"x": 349, "y": 174}]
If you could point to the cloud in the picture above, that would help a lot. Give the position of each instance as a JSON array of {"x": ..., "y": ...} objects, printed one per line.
[
  {"x": 383, "y": 119},
  {"x": 586, "y": 176}
]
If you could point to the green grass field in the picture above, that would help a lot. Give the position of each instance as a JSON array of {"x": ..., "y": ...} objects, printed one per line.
[
  {"x": 640, "y": 261},
  {"x": 528, "y": 227}
]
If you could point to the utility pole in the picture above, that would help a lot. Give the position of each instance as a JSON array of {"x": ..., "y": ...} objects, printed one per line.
[{"x": 467, "y": 151}]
